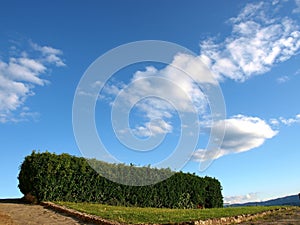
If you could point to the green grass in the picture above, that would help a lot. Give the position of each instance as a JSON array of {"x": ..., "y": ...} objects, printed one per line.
[{"x": 135, "y": 215}]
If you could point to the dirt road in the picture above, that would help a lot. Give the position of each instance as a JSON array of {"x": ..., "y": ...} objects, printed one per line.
[
  {"x": 285, "y": 217},
  {"x": 14, "y": 212}
]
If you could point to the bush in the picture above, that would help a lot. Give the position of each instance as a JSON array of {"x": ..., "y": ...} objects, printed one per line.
[{"x": 51, "y": 177}]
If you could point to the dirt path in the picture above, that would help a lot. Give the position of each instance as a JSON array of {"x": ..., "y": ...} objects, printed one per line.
[
  {"x": 6, "y": 219},
  {"x": 14, "y": 212},
  {"x": 285, "y": 217}
]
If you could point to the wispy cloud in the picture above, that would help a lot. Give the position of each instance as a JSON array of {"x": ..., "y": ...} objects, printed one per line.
[
  {"x": 50, "y": 55},
  {"x": 257, "y": 42},
  {"x": 18, "y": 77},
  {"x": 242, "y": 133},
  {"x": 287, "y": 78},
  {"x": 285, "y": 121},
  {"x": 283, "y": 79},
  {"x": 297, "y": 9}
]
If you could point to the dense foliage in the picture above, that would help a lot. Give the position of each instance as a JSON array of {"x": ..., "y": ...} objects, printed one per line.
[{"x": 51, "y": 177}]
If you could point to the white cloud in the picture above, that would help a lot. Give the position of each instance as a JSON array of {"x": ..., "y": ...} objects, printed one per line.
[
  {"x": 250, "y": 197},
  {"x": 24, "y": 69},
  {"x": 274, "y": 122},
  {"x": 283, "y": 79},
  {"x": 24, "y": 115},
  {"x": 257, "y": 42},
  {"x": 285, "y": 121},
  {"x": 50, "y": 55},
  {"x": 275, "y": 2},
  {"x": 153, "y": 128},
  {"x": 290, "y": 121},
  {"x": 18, "y": 77},
  {"x": 170, "y": 89},
  {"x": 242, "y": 134},
  {"x": 297, "y": 9}
]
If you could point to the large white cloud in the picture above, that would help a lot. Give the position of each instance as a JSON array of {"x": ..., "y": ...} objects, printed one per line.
[
  {"x": 242, "y": 133},
  {"x": 18, "y": 77},
  {"x": 257, "y": 42},
  {"x": 173, "y": 90}
]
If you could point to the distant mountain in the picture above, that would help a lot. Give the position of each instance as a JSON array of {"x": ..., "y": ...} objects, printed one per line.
[{"x": 288, "y": 200}]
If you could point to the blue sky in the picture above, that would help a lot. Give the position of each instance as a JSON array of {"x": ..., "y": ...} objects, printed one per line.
[{"x": 250, "y": 47}]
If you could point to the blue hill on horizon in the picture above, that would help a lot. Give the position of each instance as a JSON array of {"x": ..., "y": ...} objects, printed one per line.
[{"x": 292, "y": 200}]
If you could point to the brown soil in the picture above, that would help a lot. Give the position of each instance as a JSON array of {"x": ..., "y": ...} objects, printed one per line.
[
  {"x": 284, "y": 217},
  {"x": 6, "y": 219},
  {"x": 15, "y": 212}
]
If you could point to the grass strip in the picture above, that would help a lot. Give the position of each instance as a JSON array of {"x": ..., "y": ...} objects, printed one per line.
[{"x": 136, "y": 215}]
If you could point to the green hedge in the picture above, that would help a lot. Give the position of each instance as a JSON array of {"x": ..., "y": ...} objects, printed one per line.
[{"x": 51, "y": 177}]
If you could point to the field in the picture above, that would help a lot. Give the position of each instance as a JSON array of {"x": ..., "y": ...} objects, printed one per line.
[{"x": 136, "y": 215}]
